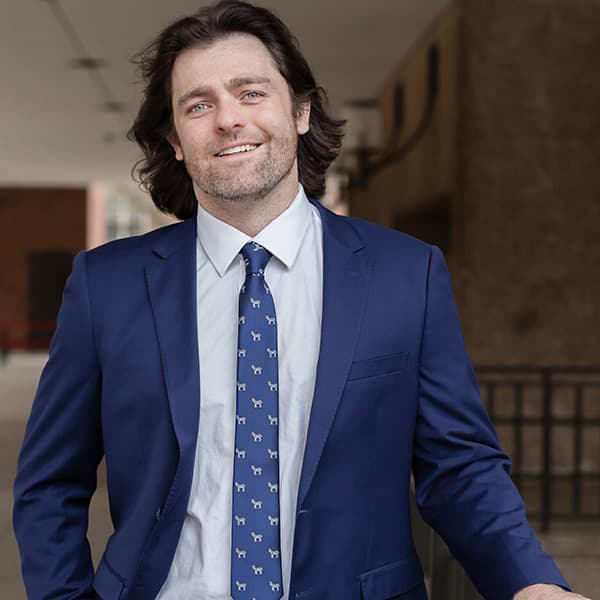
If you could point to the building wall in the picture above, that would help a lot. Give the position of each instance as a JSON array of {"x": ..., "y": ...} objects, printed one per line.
[
  {"x": 35, "y": 220},
  {"x": 430, "y": 169},
  {"x": 531, "y": 182},
  {"x": 518, "y": 151}
]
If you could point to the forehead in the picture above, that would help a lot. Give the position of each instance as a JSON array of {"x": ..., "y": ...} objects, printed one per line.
[{"x": 234, "y": 56}]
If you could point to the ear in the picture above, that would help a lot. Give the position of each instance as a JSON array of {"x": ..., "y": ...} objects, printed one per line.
[
  {"x": 173, "y": 139},
  {"x": 303, "y": 118}
]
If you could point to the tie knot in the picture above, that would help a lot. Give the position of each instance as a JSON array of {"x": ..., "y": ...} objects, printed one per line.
[{"x": 255, "y": 257}]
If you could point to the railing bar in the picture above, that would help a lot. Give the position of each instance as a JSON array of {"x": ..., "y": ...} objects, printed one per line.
[
  {"x": 539, "y": 421},
  {"x": 491, "y": 391},
  {"x": 577, "y": 440},
  {"x": 562, "y": 477},
  {"x": 547, "y": 450},
  {"x": 535, "y": 385},
  {"x": 529, "y": 370},
  {"x": 518, "y": 434}
]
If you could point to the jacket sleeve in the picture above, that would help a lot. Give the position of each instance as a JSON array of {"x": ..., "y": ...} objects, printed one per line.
[
  {"x": 463, "y": 487},
  {"x": 56, "y": 473}
]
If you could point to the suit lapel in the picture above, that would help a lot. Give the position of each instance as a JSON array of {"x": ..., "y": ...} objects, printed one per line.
[
  {"x": 171, "y": 280},
  {"x": 345, "y": 278}
]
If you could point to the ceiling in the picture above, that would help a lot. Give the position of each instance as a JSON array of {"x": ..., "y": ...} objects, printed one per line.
[{"x": 54, "y": 127}]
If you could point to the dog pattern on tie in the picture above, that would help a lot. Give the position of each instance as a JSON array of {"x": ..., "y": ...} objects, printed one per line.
[{"x": 256, "y": 557}]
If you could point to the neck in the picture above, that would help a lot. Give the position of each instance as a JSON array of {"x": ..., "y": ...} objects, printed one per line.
[{"x": 252, "y": 216}]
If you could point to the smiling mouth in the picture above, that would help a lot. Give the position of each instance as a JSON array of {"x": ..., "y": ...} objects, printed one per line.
[{"x": 238, "y": 150}]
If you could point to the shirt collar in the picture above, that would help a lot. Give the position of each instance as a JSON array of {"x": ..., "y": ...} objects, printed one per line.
[{"x": 282, "y": 236}]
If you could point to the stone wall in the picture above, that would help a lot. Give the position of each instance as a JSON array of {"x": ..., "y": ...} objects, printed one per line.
[
  {"x": 529, "y": 287},
  {"x": 515, "y": 145}
]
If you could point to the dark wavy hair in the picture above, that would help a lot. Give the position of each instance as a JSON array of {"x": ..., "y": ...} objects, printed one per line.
[{"x": 159, "y": 172}]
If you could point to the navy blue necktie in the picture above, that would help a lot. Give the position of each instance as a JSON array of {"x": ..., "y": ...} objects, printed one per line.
[{"x": 255, "y": 546}]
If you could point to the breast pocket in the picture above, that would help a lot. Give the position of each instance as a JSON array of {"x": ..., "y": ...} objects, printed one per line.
[
  {"x": 379, "y": 365},
  {"x": 401, "y": 579}
]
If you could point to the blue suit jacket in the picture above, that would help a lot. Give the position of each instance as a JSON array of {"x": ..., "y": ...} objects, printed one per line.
[{"x": 394, "y": 391}]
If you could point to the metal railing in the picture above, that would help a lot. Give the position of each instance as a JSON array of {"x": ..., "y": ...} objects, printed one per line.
[
  {"x": 24, "y": 335},
  {"x": 548, "y": 421}
]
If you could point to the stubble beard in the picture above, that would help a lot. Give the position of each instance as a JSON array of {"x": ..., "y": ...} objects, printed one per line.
[{"x": 245, "y": 185}]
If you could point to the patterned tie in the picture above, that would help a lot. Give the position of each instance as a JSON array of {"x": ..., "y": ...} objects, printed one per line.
[{"x": 255, "y": 552}]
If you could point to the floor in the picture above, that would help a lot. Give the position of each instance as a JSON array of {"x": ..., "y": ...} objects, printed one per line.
[{"x": 18, "y": 380}]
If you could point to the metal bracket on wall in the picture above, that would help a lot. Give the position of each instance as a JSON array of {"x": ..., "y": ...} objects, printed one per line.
[{"x": 369, "y": 166}]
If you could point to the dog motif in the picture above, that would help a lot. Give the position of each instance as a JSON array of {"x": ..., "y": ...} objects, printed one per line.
[
  {"x": 272, "y": 386},
  {"x": 256, "y": 470},
  {"x": 274, "y": 586},
  {"x": 256, "y": 370},
  {"x": 257, "y": 437},
  {"x": 241, "y": 586},
  {"x": 272, "y": 353},
  {"x": 240, "y": 520},
  {"x": 255, "y": 303},
  {"x": 255, "y": 336},
  {"x": 256, "y": 504},
  {"x": 257, "y": 403},
  {"x": 257, "y": 537},
  {"x": 273, "y": 521},
  {"x": 272, "y": 453},
  {"x": 241, "y": 387},
  {"x": 241, "y": 352},
  {"x": 273, "y": 487},
  {"x": 257, "y": 570},
  {"x": 240, "y": 453},
  {"x": 240, "y": 553},
  {"x": 270, "y": 320},
  {"x": 242, "y": 320},
  {"x": 273, "y": 420},
  {"x": 240, "y": 420},
  {"x": 274, "y": 553},
  {"x": 240, "y": 487}
]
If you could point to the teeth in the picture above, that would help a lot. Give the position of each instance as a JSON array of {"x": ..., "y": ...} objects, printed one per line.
[{"x": 237, "y": 149}]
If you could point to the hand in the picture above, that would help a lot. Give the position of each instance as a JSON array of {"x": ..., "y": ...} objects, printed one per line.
[{"x": 544, "y": 591}]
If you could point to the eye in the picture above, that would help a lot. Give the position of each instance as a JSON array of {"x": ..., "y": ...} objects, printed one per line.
[
  {"x": 253, "y": 95},
  {"x": 198, "y": 107}
]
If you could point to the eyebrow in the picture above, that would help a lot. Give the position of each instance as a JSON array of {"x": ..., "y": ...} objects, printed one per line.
[{"x": 234, "y": 84}]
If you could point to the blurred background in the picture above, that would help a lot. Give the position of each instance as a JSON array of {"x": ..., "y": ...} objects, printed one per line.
[{"x": 474, "y": 125}]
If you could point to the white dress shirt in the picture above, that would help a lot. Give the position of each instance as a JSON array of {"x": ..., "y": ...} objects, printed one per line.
[{"x": 201, "y": 567}]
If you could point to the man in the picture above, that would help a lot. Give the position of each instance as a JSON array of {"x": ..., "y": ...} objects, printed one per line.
[{"x": 262, "y": 377}]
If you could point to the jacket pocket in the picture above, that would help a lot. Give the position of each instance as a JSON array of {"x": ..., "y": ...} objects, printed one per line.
[
  {"x": 380, "y": 365},
  {"x": 108, "y": 585},
  {"x": 392, "y": 579}
]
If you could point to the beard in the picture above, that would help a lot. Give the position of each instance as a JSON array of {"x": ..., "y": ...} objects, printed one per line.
[{"x": 251, "y": 181}]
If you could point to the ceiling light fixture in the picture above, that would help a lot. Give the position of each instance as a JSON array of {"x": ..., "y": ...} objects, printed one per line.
[{"x": 88, "y": 63}]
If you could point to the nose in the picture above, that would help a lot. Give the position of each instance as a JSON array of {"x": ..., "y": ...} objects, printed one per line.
[{"x": 229, "y": 116}]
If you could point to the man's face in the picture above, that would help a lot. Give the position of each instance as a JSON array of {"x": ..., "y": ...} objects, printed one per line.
[{"x": 234, "y": 126}]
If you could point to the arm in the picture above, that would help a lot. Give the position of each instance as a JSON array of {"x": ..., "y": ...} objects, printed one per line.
[
  {"x": 56, "y": 474},
  {"x": 463, "y": 488}
]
